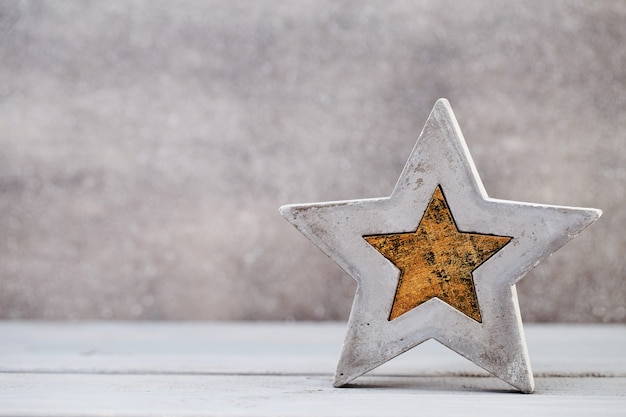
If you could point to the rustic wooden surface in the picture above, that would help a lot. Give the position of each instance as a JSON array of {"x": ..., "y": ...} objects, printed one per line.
[
  {"x": 278, "y": 369},
  {"x": 437, "y": 260}
]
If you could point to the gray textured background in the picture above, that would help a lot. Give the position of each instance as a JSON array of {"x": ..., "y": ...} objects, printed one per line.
[{"x": 145, "y": 146}]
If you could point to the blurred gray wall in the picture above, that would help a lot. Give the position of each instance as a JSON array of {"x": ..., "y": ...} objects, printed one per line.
[{"x": 145, "y": 146}]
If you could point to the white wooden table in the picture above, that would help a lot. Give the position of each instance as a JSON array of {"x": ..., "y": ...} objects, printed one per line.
[{"x": 279, "y": 369}]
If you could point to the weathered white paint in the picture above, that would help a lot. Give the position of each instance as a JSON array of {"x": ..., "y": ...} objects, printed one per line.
[{"x": 283, "y": 369}]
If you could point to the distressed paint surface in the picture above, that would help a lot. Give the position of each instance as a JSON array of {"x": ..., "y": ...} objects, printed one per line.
[
  {"x": 283, "y": 369},
  {"x": 437, "y": 260}
]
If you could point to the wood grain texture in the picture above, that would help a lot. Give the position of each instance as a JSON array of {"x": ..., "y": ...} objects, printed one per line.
[
  {"x": 437, "y": 260},
  {"x": 282, "y": 369}
]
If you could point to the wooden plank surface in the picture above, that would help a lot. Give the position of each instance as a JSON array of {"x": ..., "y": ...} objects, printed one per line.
[{"x": 284, "y": 369}]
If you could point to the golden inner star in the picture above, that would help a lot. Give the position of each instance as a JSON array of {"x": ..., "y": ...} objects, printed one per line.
[{"x": 437, "y": 260}]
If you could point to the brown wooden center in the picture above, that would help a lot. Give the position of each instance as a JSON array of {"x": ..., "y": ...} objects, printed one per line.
[{"x": 437, "y": 260}]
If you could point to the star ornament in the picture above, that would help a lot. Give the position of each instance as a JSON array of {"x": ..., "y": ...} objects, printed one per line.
[{"x": 438, "y": 259}]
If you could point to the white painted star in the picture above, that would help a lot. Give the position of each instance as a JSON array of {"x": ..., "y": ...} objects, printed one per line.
[{"x": 440, "y": 158}]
